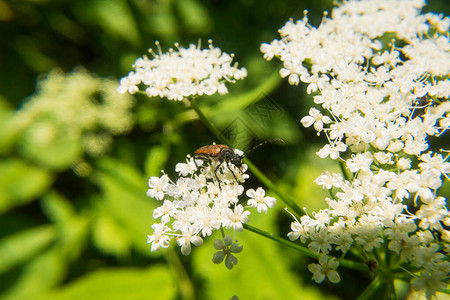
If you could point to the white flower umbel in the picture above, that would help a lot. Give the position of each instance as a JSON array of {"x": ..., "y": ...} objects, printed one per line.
[
  {"x": 182, "y": 72},
  {"x": 194, "y": 206},
  {"x": 380, "y": 72}
]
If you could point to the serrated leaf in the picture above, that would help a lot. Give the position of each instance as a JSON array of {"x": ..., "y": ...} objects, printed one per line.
[
  {"x": 21, "y": 183},
  {"x": 120, "y": 284},
  {"x": 21, "y": 246}
]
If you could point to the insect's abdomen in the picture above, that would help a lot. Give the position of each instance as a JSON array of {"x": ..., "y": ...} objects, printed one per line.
[{"x": 210, "y": 150}]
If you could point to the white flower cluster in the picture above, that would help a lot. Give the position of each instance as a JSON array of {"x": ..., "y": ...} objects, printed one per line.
[
  {"x": 195, "y": 205},
  {"x": 183, "y": 73},
  {"x": 383, "y": 101}
]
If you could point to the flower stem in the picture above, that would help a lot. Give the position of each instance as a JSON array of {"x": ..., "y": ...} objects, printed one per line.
[
  {"x": 371, "y": 289},
  {"x": 267, "y": 182},
  {"x": 284, "y": 242},
  {"x": 342, "y": 262},
  {"x": 208, "y": 124}
]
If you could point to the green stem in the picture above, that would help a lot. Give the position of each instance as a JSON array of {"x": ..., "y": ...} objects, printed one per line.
[
  {"x": 343, "y": 170},
  {"x": 185, "y": 285},
  {"x": 343, "y": 262},
  {"x": 268, "y": 183},
  {"x": 208, "y": 124},
  {"x": 371, "y": 289},
  {"x": 284, "y": 242}
]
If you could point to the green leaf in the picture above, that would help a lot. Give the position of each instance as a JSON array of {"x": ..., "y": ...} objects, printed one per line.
[
  {"x": 118, "y": 284},
  {"x": 116, "y": 18},
  {"x": 21, "y": 183},
  {"x": 125, "y": 200},
  {"x": 21, "y": 246},
  {"x": 156, "y": 158},
  {"x": 73, "y": 229},
  {"x": 60, "y": 154},
  {"x": 57, "y": 208},
  {"x": 39, "y": 276},
  {"x": 194, "y": 16},
  {"x": 110, "y": 237}
]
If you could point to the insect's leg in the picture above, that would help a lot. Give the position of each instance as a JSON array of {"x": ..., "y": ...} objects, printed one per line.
[
  {"x": 195, "y": 163},
  {"x": 215, "y": 174},
  {"x": 229, "y": 168}
]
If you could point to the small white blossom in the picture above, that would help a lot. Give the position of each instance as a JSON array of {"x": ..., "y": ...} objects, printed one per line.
[
  {"x": 316, "y": 118},
  {"x": 182, "y": 73},
  {"x": 187, "y": 238},
  {"x": 159, "y": 238},
  {"x": 259, "y": 200},
  {"x": 235, "y": 218},
  {"x": 158, "y": 185},
  {"x": 384, "y": 102},
  {"x": 195, "y": 206},
  {"x": 325, "y": 269}
]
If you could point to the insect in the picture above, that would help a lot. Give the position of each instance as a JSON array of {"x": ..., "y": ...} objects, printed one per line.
[{"x": 224, "y": 154}]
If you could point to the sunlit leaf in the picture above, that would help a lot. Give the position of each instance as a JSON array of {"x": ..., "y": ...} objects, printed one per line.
[
  {"x": 21, "y": 246},
  {"x": 194, "y": 16},
  {"x": 116, "y": 18},
  {"x": 109, "y": 237},
  {"x": 117, "y": 284},
  {"x": 39, "y": 276},
  {"x": 58, "y": 155},
  {"x": 156, "y": 158},
  {"x": 20, "y": 183},
  {"x": 56, "y": 207},
  {"x": 125, "y": 200}
]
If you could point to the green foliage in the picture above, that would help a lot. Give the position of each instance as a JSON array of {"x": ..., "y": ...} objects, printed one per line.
[{"x": 154, "y": 282}]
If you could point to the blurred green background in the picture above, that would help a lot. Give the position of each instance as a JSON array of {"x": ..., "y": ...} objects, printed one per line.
[{"x": 75, "y": 156}]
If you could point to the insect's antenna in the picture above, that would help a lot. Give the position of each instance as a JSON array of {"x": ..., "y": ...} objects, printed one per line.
[{"x": 263, "y": 143}]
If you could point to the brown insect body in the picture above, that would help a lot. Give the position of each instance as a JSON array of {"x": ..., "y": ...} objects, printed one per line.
[
  {"x": 221, "y": 153},
  {"x": 224, "y": 154}
]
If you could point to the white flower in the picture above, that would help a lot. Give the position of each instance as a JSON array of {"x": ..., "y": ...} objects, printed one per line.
[
  {"x": 189, "y": 167},
  {"x": 432, "y": 213},
  {"x": 159, "y": 238},
  {"x": 187, "y": 238},
  {"x": 327, "y": 180},
  {"x": 332, "y": 150},
  {"x": 182, "y": 73},
  {"x": 164, "y": 211},
  {"x": 195, "y": 206},
  {"x": 129, "y": 84},
  {"x": 360, "y": 162},
  {"x": 235, "y": 218},
  {"x": 434, "y": 161},
  {"x": 404, "y": 163},
  {"x": 320, "y": 241},
  {"x": 325, "y": 268},
  {"x": 158, "y": 185},
  {"x": 316, "y": 118},
  {"x": 259, "y": 200}
]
